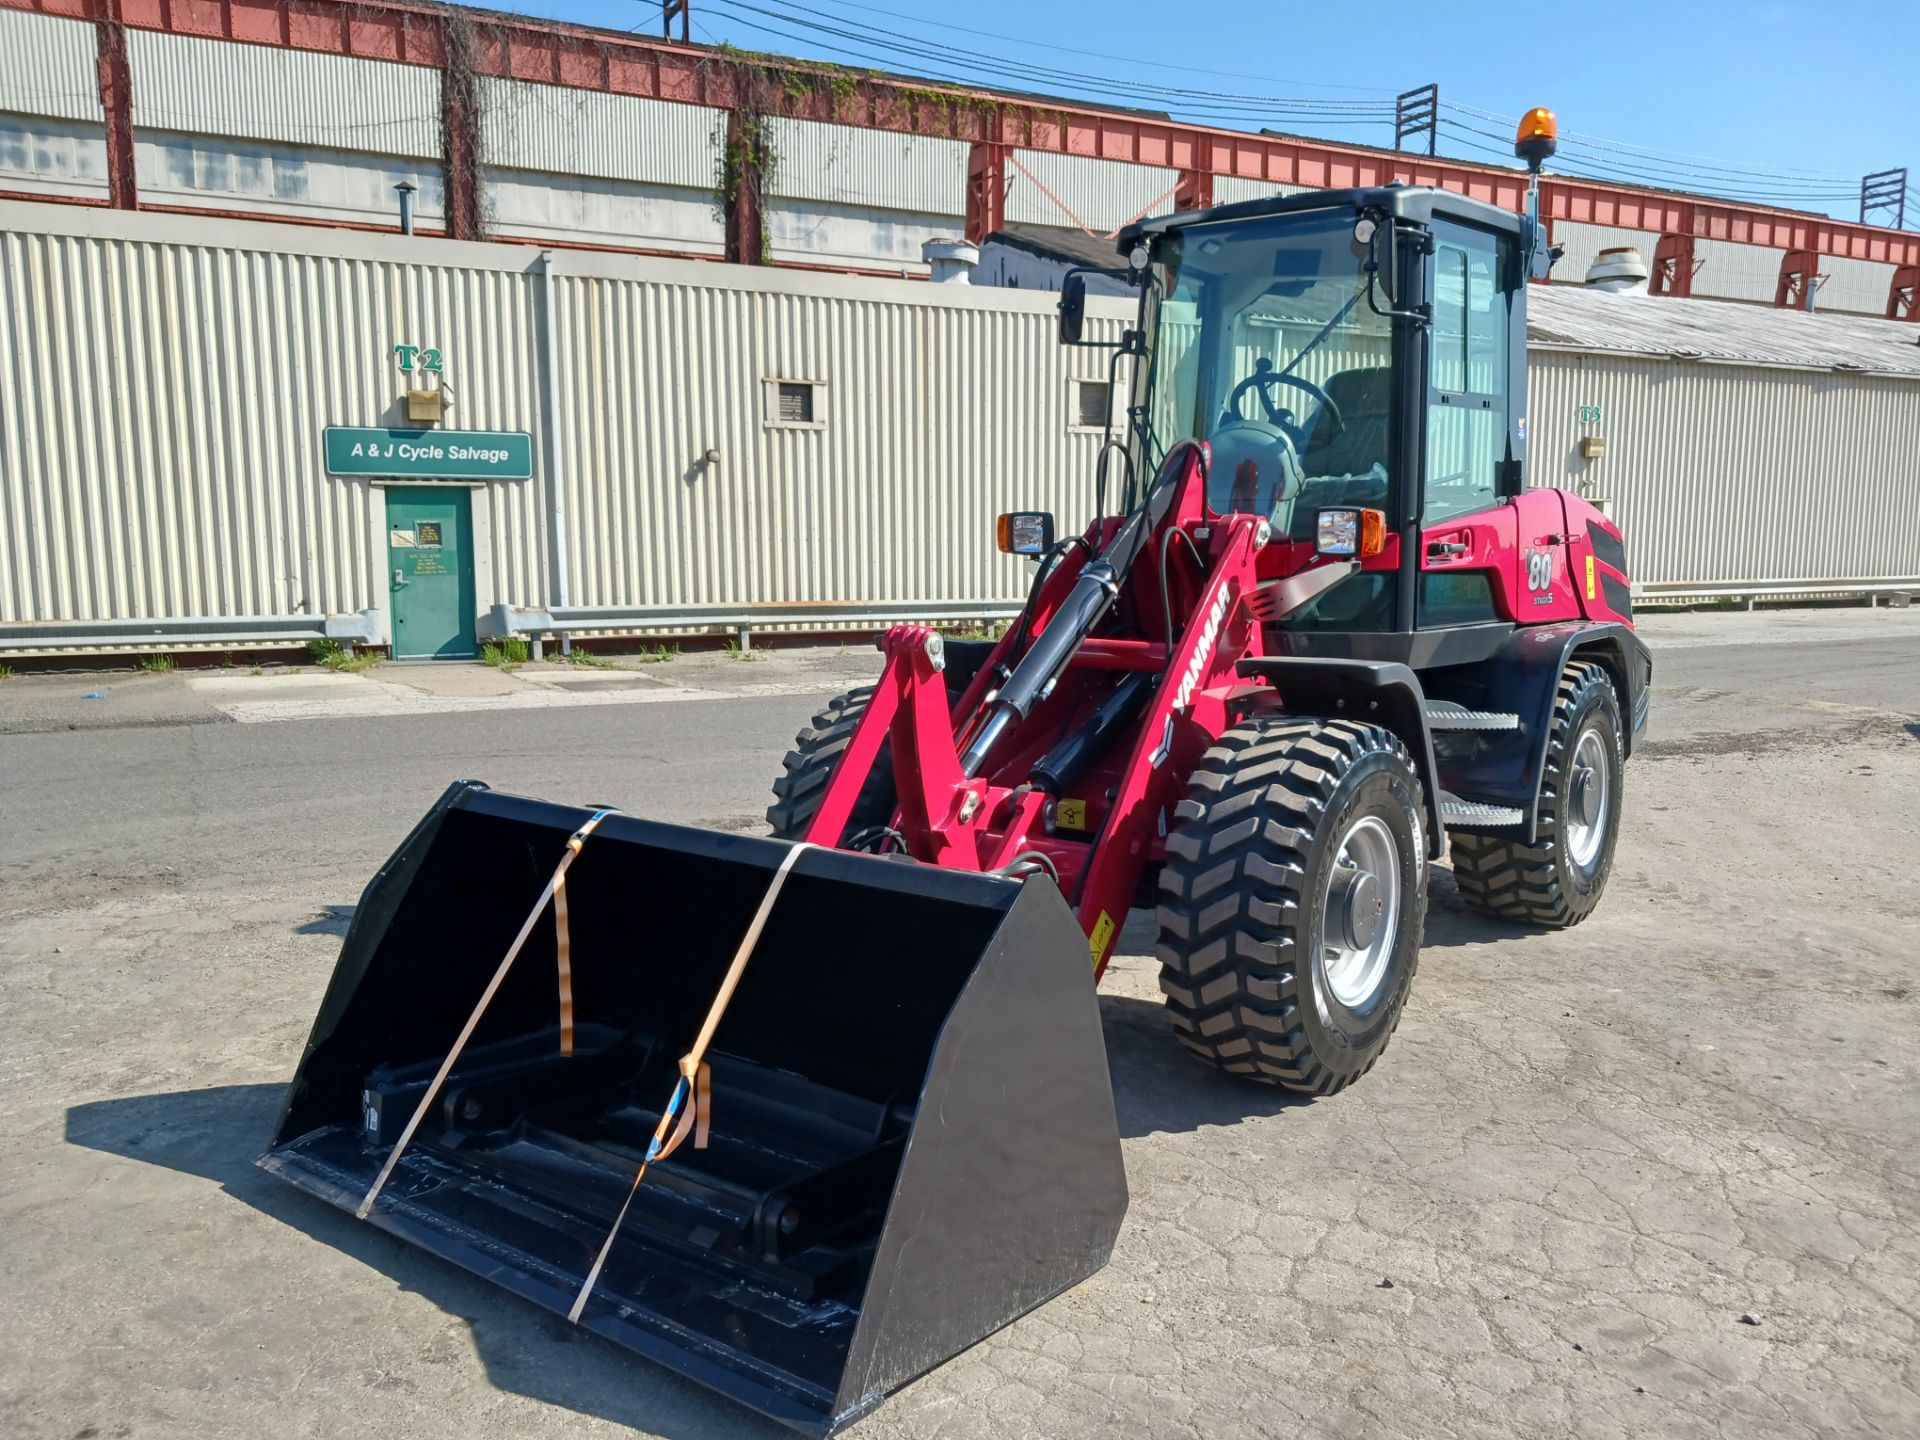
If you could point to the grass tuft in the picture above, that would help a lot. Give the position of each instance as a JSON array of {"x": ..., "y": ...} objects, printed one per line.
[
  {"x": 505, "y": 654},
  {"x": 337, "y": 657}
]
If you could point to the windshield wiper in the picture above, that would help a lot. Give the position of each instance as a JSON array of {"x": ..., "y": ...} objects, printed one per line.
[{"x": 1325, "y": 330}]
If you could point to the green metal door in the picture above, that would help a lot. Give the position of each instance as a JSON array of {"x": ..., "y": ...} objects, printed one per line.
[{"x": 430, "y": 571}]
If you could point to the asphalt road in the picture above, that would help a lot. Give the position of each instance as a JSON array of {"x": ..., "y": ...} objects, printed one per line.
[{"x": 1588, "y": 1159}]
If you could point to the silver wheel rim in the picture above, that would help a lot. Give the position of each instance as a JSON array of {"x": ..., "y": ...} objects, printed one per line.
[
  {"x": 1589, "y": 798},
  {"x": 1360, "y": 909}
]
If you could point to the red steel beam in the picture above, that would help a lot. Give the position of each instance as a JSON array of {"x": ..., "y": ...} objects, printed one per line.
[
  {"x": 986, "y": 189},
  {"x": 1903, "y": 295},
  {"x": 463, "y": 195},
  {"x": 618, "y": 63},
  {"x": 116, "y": 105},
  {"x": 1799, "y": 280}
]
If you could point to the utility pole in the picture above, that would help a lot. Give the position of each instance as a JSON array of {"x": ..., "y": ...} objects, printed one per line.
[
  {"x": 669, "y": 9},
  {"x": 1885, "y": 190},
  {"x": 1415, "y": 112}
]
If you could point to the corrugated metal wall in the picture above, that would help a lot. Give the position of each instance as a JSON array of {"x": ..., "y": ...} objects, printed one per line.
[
  {"x": 936, "y": 410},
  {"x": 49, "y": 67},
  {"x": 1859, "y": 286},
  {"x": 161, "y": 402},
  {"x": 1735, "y": 474},
  {"x": 164, "y": 381},
  {"x": 212, "y": 87},
  {"x": 564, "y": 131},
  {"x": 1231, "y": 189},
  {"x": 1101, "y": 194},
  {"x": 162, "y": 397},
  {"x": 1735, "y": 272},
  {"x": 845, "y": 165}
]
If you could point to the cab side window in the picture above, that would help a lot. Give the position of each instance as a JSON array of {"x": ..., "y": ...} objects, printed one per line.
[{"x": 1466, "y": 425}]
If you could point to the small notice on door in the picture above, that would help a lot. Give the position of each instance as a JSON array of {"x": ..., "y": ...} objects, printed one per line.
[
  {"x": 400, "y": 539},
  {"x": 428, "y": 533}
]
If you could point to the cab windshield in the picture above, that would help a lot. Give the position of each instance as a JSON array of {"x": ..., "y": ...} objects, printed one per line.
[{"x": 1266, "y": 347}]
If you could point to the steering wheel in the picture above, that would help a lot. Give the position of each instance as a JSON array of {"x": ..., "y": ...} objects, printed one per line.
[{"x": 1261, "y": 382}]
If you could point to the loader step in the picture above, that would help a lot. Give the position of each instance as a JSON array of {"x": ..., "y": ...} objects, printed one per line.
[
  {"x": 1450, "y": 715},
  {"x": 1476, "y": 814}
]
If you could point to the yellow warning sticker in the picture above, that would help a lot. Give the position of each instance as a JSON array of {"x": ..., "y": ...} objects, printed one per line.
[
  {"x": 1102, "y": 934},
  {"x": 1590, "y": 581},
  {"x": 1070, "y": 814}
]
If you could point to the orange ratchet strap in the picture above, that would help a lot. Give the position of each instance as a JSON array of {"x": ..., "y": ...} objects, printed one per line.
[
  {"x": 695, "y": 1083},
  {"x": 556, "y": 892}
]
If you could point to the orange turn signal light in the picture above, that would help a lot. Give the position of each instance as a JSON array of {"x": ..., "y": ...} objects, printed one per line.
[
  {"x": 1373, "y": 532},
  {"x": 1025, "y": 532}
]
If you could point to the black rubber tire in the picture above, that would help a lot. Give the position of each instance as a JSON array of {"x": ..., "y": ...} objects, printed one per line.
[
  {"x": 802, "y": 783},
  {"x": 1243, "y": 890},
  {"x": 1538, "y": 884}
]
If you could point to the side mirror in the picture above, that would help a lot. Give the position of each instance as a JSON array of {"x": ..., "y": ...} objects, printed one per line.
[
  {"x": 1073, "y": 308},
  {"x": 1026, "y": 532}
]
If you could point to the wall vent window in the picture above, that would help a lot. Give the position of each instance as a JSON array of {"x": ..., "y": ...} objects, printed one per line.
[
  {"x": 796, "y": 404},
  {"x": 1090, "y": 404}
]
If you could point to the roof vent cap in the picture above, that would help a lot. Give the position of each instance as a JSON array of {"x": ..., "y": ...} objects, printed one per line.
[{"x": 1620, "y": 270}]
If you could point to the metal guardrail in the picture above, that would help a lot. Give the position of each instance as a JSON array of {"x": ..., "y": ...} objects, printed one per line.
[
  {"x": 741, "y": 620},
  {"x": 66, "y": 637},
  {"x": 366, "y": 627},
  {"x": 1683, "y": 590}
]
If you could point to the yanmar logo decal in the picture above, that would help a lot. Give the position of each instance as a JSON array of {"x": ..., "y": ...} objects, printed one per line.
[{"x": 1203, "y": 652}]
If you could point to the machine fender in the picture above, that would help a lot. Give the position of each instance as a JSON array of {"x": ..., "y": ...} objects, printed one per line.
[
  {"x": 1522, "y": 678},
  {"x": 1380, "y": 692}
]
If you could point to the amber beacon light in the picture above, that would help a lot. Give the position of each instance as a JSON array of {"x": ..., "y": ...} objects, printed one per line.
[{"x": 1537, "y": 137}]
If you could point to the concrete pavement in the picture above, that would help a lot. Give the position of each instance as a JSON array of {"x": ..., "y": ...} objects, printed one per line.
[{"x": 1589, "y": 1158}]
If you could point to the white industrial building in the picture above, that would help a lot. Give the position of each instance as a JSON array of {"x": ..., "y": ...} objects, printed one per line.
[
  {"x": 279, "y": 131},
  {"x": 706, "y": 448}
]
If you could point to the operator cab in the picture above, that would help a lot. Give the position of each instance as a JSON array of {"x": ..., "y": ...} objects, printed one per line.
[
  {"x": 1348, "y": 351},
  {"x": 1268, "y": 351}
]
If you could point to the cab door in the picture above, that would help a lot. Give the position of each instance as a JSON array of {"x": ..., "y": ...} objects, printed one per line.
[{"x": 1469, "y": 525}]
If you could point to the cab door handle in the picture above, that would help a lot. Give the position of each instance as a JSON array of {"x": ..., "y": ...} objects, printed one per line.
[{"x": 1444, "y": 549}]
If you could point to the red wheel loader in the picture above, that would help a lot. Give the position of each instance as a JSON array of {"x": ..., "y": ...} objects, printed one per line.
[{"x": 1324, "y": 632}]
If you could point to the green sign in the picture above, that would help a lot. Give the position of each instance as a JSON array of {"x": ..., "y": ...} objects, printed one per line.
[
  {"x": 430, "y": 454},
  {"x": 1589, "y": 414},
  {"x": 428, "y": 357}
]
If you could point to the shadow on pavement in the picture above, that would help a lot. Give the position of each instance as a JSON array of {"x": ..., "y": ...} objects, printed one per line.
[
  {"x": 215, "y": 1134},
  {"x": 332, "y": 920},
  {"x": 1451, "y": 922},
  {"x": 1159, "y": 1087}
]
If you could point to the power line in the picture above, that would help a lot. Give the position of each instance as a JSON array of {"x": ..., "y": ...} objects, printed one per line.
[
  {"x": 1099, "y": 54},
  {"x": 1601, "y": 169},
  {"x": 1697, "y": 162},
  {"x": 1196, "y": 102},
  {"x": 1582, "y": 156}
]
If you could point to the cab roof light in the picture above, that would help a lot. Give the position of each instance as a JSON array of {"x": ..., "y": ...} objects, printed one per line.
[{"x": 1537, "y": 137}]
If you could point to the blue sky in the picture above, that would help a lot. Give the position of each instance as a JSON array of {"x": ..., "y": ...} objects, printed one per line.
[{"x": 1783, "y": 100}]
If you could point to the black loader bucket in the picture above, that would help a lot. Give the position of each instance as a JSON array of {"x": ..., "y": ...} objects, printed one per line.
[{"x": 912, "y": 1130}]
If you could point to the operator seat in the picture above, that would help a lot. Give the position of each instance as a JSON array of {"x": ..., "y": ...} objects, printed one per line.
[
  {"x": 1346, "y": 465},
  {"x": 1365, "y": 399}
]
